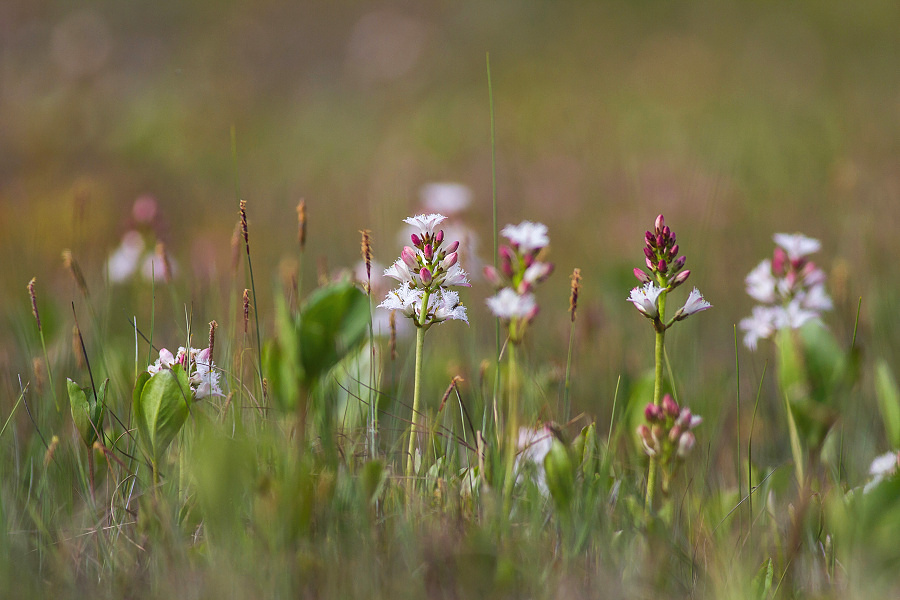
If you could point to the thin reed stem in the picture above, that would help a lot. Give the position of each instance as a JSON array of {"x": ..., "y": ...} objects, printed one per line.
[
  {"x": 487, "y": 57},
  {"x": 512, "y": 425}
]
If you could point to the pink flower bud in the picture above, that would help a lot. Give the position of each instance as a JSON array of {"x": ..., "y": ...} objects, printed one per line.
[
  {"x": 648, "y": 253},
  {"x": 453, "y": 247},
  {"x": 651, "y": 265},
  {"x": 490, "y": 273},
  {"x": 653, "y": 413},
  {"x": 649, "y": 238},
  {"x": 670, "y": 406},
  {"x": 673, "y": 251},
  {"x": 416, "y": 240},
  {"x": 660, "y": 223},
  {"x": 779, "y": 259},
  {"x": 675, "y": 433},
  {"x": 408, "y": 256},
  {"x": 641, "y": 276},
  {"x": 428, "y": 252},
  {"x": 425, "y": 274},
  {"x": 681, "y": 278},
  {"x": 660, "y": 241},
  {"x": 679, "y": 262},
  {"x": 449, "y": 260},
  {"x": 662, "y": 267},
  {"x": 684, "y": 418},
  {"x": 439, "y": 237}
]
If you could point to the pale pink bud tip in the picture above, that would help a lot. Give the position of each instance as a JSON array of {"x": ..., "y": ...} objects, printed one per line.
[
  {"x": 450, "y": 260},
  {"x": 670, "y": 406},
  {"x": 453, "y": 247},
  {"x": 660, "y": 222},
  {"x": 641, "y": 275},
  {"x": 425, "y": 274}
]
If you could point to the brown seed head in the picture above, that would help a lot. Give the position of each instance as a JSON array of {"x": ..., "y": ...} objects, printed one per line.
[
  {"x": 76, "y": 348},
  {"x": 573, "y": 297},
  {"x": 34, "y": 310},
  {"x": 51, "y": 450},
  {"x": 212, "y": 338},
  {"x": 244, "y": 230},
  {"x": 366, "y": 248},
  {"x": 301, "y": 224}
]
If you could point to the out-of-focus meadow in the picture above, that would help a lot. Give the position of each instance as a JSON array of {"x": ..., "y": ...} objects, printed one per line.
[{"x": 736, "y": 120}]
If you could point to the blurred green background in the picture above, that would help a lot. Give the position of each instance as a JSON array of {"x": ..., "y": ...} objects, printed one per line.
[{"x": 734, "y": 119}]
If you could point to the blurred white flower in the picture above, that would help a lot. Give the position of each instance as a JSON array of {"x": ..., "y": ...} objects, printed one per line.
[
  {"x": 534, "y": 445},
  {"x": 761, "y": 283},
  {"x": 507, "y": 304},
  {"x": 527, "y": 236},
  {"x": 882, "y": 467},
  {"x": 759, "y": 325},
  {"x": 446, "y": 198},
  {"x": 797, "y": 245},
  {"x": 123, "y": 262}
]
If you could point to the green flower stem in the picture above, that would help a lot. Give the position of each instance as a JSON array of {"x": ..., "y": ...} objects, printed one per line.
[
  {"x": 512, "y": 424},
  {"x": 420, "y": 344},
  {"x": 659, "y": 353}
]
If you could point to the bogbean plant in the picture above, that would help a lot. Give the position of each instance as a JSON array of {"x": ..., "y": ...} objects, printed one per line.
[
  {"x": 200, "y": 458},
  {"x": 667, "y": 436}
]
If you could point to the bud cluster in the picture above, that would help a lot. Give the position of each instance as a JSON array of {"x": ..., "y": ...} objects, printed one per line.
[
  {"x": 660, "y": 252},
  {"x": 667, "y": 433},
  {"x": 790, "y": 288},
  {"x": 666, "y": 273},
  {"x": 521, "y": 268},
  {"x": 425, "y": 270}
]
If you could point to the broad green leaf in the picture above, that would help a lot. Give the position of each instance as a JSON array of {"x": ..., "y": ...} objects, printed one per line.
[
  {"x": 560, "y": 475},
  {"x": 161, "y": 408},
  {"x": 888, "y": 402},
  {"x": 334, "y": 320},
  {"x": 81, "y": 412},
  {"x": 87, "y": 412}
]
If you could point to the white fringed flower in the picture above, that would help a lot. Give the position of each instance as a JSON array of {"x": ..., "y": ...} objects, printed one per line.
[
  {"x": 694, "y": 304},
  {"x": 646, "y": 298},
  {"x": 425, "y": 224}
]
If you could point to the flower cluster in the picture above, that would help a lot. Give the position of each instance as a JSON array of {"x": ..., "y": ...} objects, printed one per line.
[
  {"x": 201, "y": 370},
  {"x": 521, "y": 268},
  {"x": 666, "y": 273},
  {"x": 667, "y": 433},
  {"x": 790, "y": 287},
  {"x": 425, "y": 271}
]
